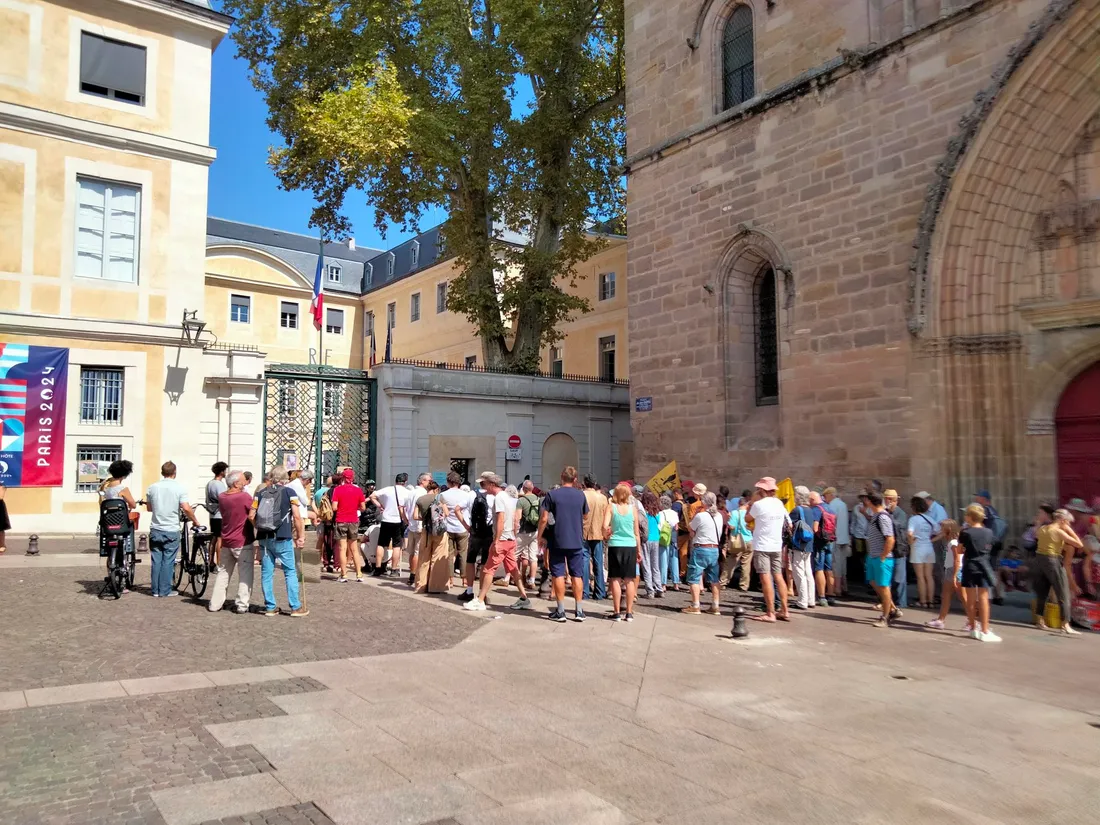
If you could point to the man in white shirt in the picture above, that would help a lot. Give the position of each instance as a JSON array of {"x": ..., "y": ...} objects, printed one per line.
[
  {"x": 503, "y": 547},
  {"x": 937, "y": 515},
  {"x": 456, "y": 500},
  {"x": 842, "y": 547},
  {"x": 769, "y": 517},
  {"x": 415, "y": 537},
  {"x": 392, "y": 502}
]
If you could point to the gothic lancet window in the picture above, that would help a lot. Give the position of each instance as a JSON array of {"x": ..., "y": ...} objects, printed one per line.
[
  {"x": 738, "y": 76},
  {"x": 766, "y": 338}
]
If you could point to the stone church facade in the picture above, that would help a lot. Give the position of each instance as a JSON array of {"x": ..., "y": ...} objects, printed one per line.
[{"x": 864, "y": 243}]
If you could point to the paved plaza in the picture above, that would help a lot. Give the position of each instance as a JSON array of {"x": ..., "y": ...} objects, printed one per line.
[{"x": 382, "y": 707}]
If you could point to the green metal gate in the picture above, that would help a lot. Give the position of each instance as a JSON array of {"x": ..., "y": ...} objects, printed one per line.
[{"x": 319, "y": 417}]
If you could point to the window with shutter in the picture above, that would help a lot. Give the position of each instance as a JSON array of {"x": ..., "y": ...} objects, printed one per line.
[
  {"x": 112, "y": 69},
  {"x": 107, "y": 229}
]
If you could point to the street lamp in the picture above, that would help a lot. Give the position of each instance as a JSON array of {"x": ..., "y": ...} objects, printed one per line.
[{"x": 192, "y": 326}]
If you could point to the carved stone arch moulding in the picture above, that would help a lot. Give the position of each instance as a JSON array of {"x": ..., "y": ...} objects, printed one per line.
[
  {"x": 721, "y": 9},
  {"x": 1052, "y": 382},
  {"x": 970, "y": 127}
]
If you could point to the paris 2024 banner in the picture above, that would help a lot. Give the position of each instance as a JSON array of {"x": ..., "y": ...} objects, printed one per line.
[{"x": 32, "y": 415}]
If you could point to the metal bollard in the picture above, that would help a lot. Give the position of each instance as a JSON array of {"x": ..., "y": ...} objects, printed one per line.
[
  {"x": 740, "y": 629},
  {"x": 32, "y": 545},
  {"x": 143, "y": 543}
]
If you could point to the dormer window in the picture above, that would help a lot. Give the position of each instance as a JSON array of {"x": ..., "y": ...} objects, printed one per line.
[
  {"x": 415, "y": 252},
  {"x": 333, "y": 271},
  {"x": 370, "y": 274},
  {"x": 390, "y": 260}
]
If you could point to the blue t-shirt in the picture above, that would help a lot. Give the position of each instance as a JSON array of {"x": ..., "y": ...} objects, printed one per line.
[
  {"x": 569, "y": 507},
  {"x": 654, "y": 533}
]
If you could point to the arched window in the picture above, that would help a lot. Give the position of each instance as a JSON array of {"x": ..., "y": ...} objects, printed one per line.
[
  {"x": 766, "y": 341},
  {"x": 738, "y": 79}
]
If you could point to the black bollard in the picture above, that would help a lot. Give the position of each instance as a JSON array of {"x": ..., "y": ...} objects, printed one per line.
[
  {"x": 32, "y": 545},
  {"x": 740, "y": 629}
]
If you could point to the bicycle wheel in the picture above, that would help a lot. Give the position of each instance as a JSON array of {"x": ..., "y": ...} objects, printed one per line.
[
  {"x": 131, "y": 563},
  {"x": 200, "y": 571},
  {"x": 181, "y": 565},
  {"x": 116, "y": 575}
]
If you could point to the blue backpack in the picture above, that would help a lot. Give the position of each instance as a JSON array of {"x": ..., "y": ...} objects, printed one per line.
[{"x": 803, "y": 532}]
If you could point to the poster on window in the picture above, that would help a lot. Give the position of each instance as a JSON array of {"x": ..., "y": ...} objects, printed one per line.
[{"x": 32, "y": 415}]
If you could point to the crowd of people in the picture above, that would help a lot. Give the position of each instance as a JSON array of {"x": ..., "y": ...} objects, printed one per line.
[{"x": 629, "y": 543}]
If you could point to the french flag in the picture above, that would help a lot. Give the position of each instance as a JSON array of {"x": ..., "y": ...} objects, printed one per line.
[{"x": 317, "y": 305}]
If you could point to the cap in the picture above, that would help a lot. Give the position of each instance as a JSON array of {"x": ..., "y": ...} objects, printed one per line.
[
  {"x": 370, "y": 482},
  {"x": 699, "y": 489},
  {"x": 889, "y": 493},
  {"x": 924, "y": 494},
  {"x": 487, "y": 474},
  {"x": 983, "y": 494},
  {"x": 349, "y": 474},
  {"x": 768, "y": 484}
]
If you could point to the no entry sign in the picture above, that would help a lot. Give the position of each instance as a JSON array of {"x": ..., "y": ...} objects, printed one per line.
[{"x": 514, "y": 442}]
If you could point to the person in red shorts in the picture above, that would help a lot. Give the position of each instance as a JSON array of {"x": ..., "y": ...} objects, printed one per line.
[
  {"x": 503, "y": 548},
  {"x": 348, "y": 499}
]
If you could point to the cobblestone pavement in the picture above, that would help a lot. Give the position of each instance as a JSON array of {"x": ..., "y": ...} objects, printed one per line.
[
  {"x": 57, "y": 632},
  {"x": 99, "y": 762},
  {"x": 305, "y": 814}
]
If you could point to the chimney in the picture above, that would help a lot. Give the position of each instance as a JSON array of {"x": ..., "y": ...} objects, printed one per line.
[{"x": 351, "y": 244}]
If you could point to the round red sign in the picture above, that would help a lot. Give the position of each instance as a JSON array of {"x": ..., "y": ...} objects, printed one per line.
[{"x": 514, "y": 442}]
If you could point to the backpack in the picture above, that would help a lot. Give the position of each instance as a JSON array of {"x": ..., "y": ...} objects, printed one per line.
[
  {"x": 439, "y": 517},
  {"x": 479, "y": 515},
  {"x": 666, "y": 532},
  {"x": 324, "y": 508},
  {"x": 1000, "y": 527},
  {"x": 530, "y": 521},
  {"x": 802, "y": 533},
  {"x": 269, "y": 515},
  {"x": 828, "y": 524}
]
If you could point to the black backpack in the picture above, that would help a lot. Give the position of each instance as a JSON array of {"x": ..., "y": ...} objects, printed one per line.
[{"x": 480, "y": 523}]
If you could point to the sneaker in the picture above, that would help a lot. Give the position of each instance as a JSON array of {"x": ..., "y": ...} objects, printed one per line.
[
  {"x": 359, "y": 579},
  {"x": 935, "y": 624},
  {"x": 660, "y": 594},
  {"x": 968, "y": 628},
  {"x": 300, "y": 613},
  {"x": 474, "y": 604},
  {"x": 412, "y": 579},
  {"x": 715, "y": 610},
  {"x": 272, "y": 612},
  {"x": 693, "y": 609},
  {"x": 529, "y": 584},
  {"x": 240, "y": 609},
  {"x": 615, "y": 617},
  {"x": 881, "y": 622},
  {"x": 557, "y": 615},
  {"x": 578, "y": 615},
  {"x": 466, "y": 597},
  {"x": 976, "y": 634},
  {"x": 630, "y": 617},
  {"x": 896, "y": 614},
  {"x": 395, "y": 574},
  {"x": 822, "y": 602},
  {"x": 831, "y": 602},
  {"x": 521, "y": 604},
  {"x": 798, "y": 606},
  {"x": 342, "y": 580},
  {"x": 990, "y": 637}
]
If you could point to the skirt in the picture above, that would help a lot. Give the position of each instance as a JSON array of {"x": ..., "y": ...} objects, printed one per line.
[{"x": 5, "y": 524}]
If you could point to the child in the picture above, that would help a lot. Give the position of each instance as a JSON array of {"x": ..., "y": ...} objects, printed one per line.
[
  {"x": 978, "y": 577},
  {"x": 1013, "y": 571},
  {"x": 952, "y": 573}
]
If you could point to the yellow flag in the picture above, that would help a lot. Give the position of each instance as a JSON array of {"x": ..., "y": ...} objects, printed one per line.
[
  {"x": 666, "y": 479},
  {"x": 785, "y": 493}
]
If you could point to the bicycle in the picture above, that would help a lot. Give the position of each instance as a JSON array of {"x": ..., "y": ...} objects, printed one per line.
[
  {"x": 116, "y": 544},
  {"x": 194, "y": 560}
]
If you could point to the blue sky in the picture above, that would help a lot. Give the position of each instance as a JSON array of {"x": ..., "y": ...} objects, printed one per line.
[{"x": 242, "y": 185}]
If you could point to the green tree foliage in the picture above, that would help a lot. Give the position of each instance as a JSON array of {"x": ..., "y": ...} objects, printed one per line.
[{"x": 412, "y": 101}]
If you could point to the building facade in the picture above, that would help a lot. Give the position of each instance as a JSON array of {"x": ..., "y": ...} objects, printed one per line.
[
  {"x": 104, "y": 150},
  {"x": 863, "y": 242}
]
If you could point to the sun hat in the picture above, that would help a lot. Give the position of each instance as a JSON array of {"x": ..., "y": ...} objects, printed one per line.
[
  {"x": 699, "y": 490},
  {"x": 889, "y": 493},
  {"x": 924, "y": 494},
  {"x": 1078, "y": 505},
  {"x": 767, "y": 483}
]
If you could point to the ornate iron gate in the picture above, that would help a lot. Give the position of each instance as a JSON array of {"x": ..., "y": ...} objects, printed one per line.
[{"x": 319, "y": 416}]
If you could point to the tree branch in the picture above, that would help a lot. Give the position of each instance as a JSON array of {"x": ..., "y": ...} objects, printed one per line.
[{"x": 617, "y": 98}]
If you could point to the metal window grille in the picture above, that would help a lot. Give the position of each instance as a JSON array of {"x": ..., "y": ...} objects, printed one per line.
[
  {"x": 333, "y": 400},
  {"x": 607, "y": 285},
  {"x": 101, "y": 396},
  {"x": 240, "y": 308},
  {"x": 471, "y": 361},
  {"x": 93, "y": 454},
  {"x": 288, "y": 315},
  {"x": 607, "y": 358},
  {"x": 441, "y": 297},
  {"x": 464, "y": 468},
  {"x": 414, "y": 307},
  {"x": 738, "y": 76},
  {"x": 767, "y": 340},
  {"x": 368, "y": 324}
]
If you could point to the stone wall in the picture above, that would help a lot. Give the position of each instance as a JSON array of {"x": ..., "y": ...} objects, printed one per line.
[{"x": 826, "y": 179}]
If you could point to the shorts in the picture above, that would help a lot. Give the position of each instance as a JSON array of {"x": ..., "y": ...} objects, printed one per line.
[
  {"x": 923, "y": 555},
  {"x": 347, "y": 530},
  {"x": 391, "y": 534},
  {"x": 880, "y": 571},
  {"x": 977, "y": 572},
  {"x": 502, "y": 552},
  {"x": 477, "y": 551},
  {"x": 457, "y": 544},
  {"x": 764, "y": 562},
  {"x": 574, "y": 560},
  {"x": 527, "y": 547},
  {"x": 622, "y": 562},
  {"x": 216, "y": 527},
  {"x": 703, "y": 561},
  {"x": 823, "y": 559},
  {"x": 958, "y": 576}
]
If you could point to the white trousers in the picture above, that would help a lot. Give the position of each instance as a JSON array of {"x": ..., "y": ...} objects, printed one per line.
[
  {"x": 239, "y": 559},
  {"x": 802, "y": 570}
]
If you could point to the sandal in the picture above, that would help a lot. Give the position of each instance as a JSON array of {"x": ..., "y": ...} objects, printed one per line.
[{"x": 764, "y": 618}]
